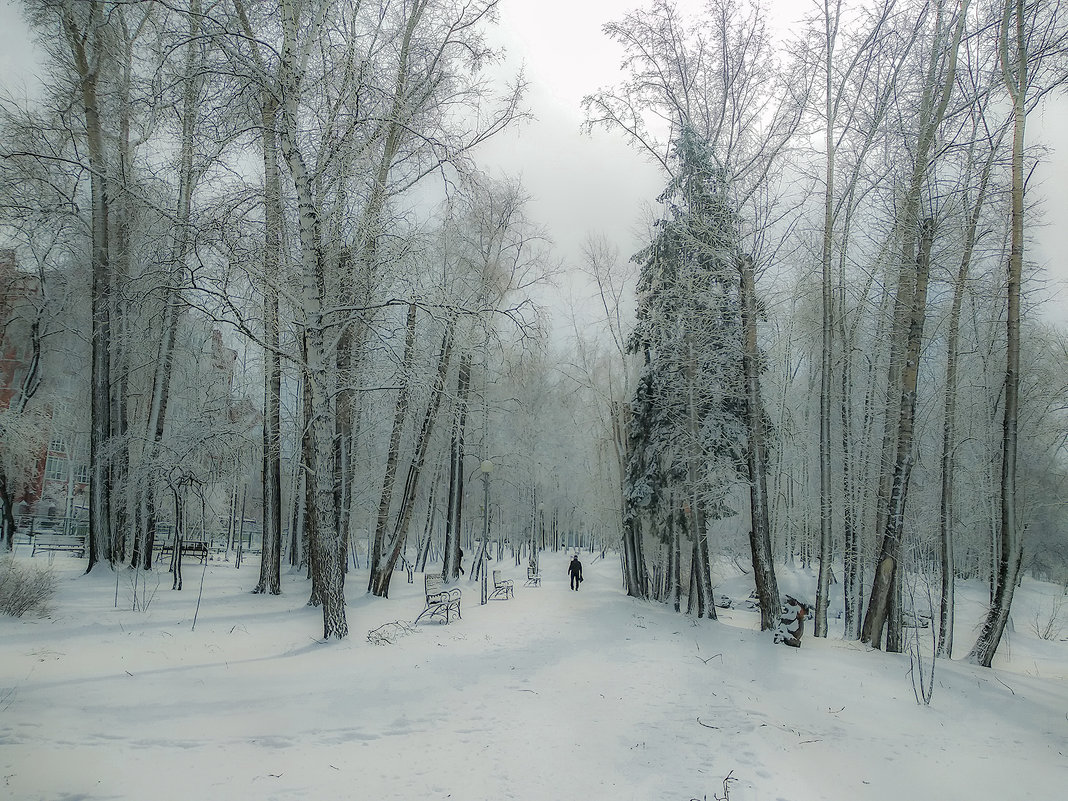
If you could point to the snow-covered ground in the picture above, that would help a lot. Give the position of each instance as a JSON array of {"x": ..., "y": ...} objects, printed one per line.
[{"x": 552, "y": 696}]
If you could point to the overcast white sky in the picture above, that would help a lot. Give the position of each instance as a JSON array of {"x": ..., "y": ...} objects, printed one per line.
[{"x": 582, "y": 184}]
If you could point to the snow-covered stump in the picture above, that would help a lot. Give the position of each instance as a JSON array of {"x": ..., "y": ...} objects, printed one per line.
[{"x": 792, "y": 623}]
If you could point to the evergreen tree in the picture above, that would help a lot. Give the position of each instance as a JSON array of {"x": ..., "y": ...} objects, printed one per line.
[{"x": 686, "y": 435}]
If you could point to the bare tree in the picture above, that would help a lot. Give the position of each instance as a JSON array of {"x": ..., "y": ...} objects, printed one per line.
[
  {"x": 1031, "y": 44},
  {"x": 909, "y": 311}
]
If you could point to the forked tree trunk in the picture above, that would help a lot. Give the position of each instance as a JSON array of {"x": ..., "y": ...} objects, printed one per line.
[
  {"x": 415, "y": 467},
  {"x": 884, "y": 590},
  {"x": 124, "y": 507},
  {"x": 933, "y": 104}
]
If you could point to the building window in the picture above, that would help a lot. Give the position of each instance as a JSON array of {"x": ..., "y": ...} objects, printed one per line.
[
  {"x": 55, "y": 469},
  {"x": 81, "y": 474},
  {"x": 57, "y": 446}
]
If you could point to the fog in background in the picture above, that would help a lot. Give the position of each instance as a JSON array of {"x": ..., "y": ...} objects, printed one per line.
[{"x": 582, "y": 184}]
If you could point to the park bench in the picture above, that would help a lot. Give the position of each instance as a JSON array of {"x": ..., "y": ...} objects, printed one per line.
[
  {"x": 502, "y": 588},
  {"x": 197, "y": 548},
  {"x": 533, "y": 577},
  {"x": 440, "y": 602},
  {"x": 51, "y": 541}
]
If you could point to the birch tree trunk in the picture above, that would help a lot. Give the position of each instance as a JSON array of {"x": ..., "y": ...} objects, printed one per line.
[{"x": 326, "y": 547}]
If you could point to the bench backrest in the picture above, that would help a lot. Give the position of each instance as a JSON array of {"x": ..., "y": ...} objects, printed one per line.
[
  {"x": 57, "y": 538},
  {"x": 496, "y": 577},
  {"x": 432, "y": 584},
  {"x": 531, "y": 571}
]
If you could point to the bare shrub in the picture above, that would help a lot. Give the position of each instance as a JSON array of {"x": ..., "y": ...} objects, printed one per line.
[
  {"x": 1047, "y": 623},
  {"x": 25, "y": 589},
  {"x": 389, "y": 633}
]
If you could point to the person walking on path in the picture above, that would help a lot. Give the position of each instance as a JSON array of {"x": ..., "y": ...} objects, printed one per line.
[{"x": 575, "y": 571}]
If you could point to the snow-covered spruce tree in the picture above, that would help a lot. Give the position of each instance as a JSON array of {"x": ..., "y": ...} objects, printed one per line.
[{"x": 686, "y": 434}]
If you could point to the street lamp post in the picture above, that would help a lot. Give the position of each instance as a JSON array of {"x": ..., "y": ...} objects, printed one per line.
[{"x": 487, "y": 468}]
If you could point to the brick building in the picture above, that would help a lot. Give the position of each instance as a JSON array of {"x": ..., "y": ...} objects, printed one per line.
[{"x": 56, "y": 484}]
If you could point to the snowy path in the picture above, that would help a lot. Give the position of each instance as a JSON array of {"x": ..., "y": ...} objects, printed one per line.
[{"x": 553, "y": 696}]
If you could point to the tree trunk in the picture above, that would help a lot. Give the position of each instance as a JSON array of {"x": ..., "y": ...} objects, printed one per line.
[
  {"x": 28, "y": 387},
  {"x": 633, "y": 568},
  {"x": 159, "y": 400},
  {"x": 949, "y": 421},
  {"x": 767, "y": 586},
  {"x": 884, "y": 591},
  {"x": 87, "y": 51},
  {"x": 381, "y": 579},
  {"x": 322, "y": 531},
  {"x": 826, "y": 343},
  {"x": 270, "y": 580},
  {"x": 934, "y": 101},
  {"x": 7, "y": 515},
  {"x": 400, "y": 415},
  {"x": 1010, "y": 542},
  {"x": 673, "y": 574},
  {"x": 451, "y": 567}
]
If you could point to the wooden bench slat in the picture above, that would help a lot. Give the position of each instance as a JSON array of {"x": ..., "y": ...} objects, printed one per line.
[{"x": 58, "y": 542}]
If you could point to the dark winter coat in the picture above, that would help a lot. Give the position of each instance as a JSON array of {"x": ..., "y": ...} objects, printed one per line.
[{"x": 575, "y": 568}]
